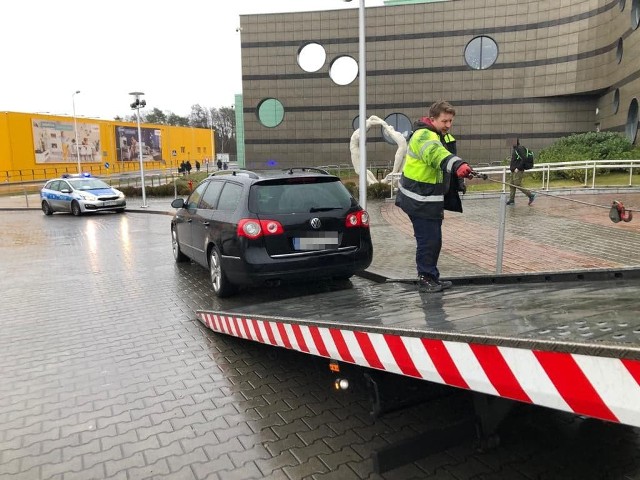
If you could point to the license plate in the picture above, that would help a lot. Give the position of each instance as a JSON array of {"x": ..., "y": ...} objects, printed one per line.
[
  {"x": 320, "y": 241},
  {"x": 110, "y": 203}
]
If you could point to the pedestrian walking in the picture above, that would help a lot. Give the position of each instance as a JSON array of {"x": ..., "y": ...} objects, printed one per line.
[
  {"x": 518, "y": 166},
  {"x": 428, "y": 186}
]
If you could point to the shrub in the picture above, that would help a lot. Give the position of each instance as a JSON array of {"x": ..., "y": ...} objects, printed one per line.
[
  {"x": 166, "y": 190},
  {"x": 587, "y": 146},
  {"x": 353, "y": 190},
  {"x": 378, "y": 191}
]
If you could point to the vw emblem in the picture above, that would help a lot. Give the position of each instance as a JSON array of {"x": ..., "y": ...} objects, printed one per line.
[{"x": 315, "y": 223}]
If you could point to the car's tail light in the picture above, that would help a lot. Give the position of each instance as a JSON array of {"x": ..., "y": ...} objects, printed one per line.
[
  {"x": 253, "y": 228},
  {"x": 358, "y": 219}
]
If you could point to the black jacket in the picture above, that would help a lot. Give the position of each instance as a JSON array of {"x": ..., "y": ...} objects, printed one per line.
[{"x": 517, "y": 161}]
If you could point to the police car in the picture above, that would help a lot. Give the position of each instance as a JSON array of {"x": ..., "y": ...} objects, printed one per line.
[{"x": 80, "y": 194}]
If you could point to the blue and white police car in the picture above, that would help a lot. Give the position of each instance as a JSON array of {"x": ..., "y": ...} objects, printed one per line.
[{"x": 80, "y": 194}]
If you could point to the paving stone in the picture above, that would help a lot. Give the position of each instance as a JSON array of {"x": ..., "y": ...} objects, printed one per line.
[
  {"x": 217, "y": 465},
  {"x": 159, "y": 468},
  {"x": 153, "y": 455},
  {"x": 343, "y": 472},
  {"x": 307, "y": 469},
  {"x": 276, "y": 462}
]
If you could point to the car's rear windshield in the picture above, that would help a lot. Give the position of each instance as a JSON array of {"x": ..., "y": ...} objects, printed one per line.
[
  {"x": 88, "y": 184},
  {"x": 299, "y": 194}
]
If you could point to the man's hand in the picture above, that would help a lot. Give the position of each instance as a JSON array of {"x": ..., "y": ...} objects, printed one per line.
[{"x": 464, "y": 171}]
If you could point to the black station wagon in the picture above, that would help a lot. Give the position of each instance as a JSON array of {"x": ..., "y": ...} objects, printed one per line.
[{"x": 257, "y": 228}]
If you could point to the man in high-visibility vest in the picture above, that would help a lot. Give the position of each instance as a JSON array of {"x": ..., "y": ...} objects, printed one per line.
[{"x": 428, "y": 186}]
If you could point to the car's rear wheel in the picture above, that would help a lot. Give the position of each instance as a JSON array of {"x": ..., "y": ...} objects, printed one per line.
[
  {"x": 46, "y": 208},
  {"x": 221, "y": 285},
  {"x": 175, "y": 245},
  {"x": 75, "y": 208}
]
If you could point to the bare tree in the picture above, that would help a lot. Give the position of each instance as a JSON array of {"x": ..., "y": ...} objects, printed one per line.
[
  {"x": 177, "y": 120},
  {"x": 224, "y": 124},
  {"x": 157, "y": 116},
  {"x": 198, "y": 117}
]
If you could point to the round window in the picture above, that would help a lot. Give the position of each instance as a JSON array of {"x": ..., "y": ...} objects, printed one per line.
[
  {"x": 400, "y": 123},
  {"x": 343, "y": 70},
  {"x": 481, "y": 52},
  {"x": 631, "y": 128},
  {"x": 615, "y": 104},
  {"x": 355, "y": 123},
  {"x": 270, "y": 112},
  {"x": 635, "y": 14},
  {"x": 619, "y": 50},
  {"x": 311, "y": 57}
]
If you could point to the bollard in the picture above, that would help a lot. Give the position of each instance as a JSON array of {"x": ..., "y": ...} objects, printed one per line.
[{"x": 501, "y": 228}]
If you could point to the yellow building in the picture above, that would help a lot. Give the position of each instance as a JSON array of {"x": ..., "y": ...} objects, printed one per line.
[{"x": 37, "y": 146}]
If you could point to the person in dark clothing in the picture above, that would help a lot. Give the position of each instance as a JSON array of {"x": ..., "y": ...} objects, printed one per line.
[
  {"x": 197, "y": 166},
  {"x": 428, "y": 186},
  {"x": 219, "y": 163},
  {"x": 187, "y": 166},
  {"x": 517, "y": 174}
]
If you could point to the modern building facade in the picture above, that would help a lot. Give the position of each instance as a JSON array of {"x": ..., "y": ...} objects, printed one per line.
[
  {"x": 38, "y": 146},
  {"x": 533, "y": 70}
]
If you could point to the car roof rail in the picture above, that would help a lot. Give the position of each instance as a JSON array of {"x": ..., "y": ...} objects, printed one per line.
[
  {"x": 290, "y": 170},
  {"x": 235, "y": 172}
]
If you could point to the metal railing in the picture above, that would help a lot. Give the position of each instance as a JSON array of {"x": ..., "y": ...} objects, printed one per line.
[{"x": 590, "y": 167}]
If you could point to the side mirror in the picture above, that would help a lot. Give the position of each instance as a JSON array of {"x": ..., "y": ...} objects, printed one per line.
[
  {"x": 65, "y": 190},
  {"x": 178, "y": 203}
]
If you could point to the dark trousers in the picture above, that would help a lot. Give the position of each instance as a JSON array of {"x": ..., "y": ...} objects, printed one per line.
[{"x": 428, "y": 235}]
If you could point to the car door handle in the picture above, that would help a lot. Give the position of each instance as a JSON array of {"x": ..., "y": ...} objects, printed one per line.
[{"x": 206, "y": 224}]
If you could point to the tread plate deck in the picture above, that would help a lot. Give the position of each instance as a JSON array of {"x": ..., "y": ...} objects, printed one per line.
[{"x": 592, "y": 317}]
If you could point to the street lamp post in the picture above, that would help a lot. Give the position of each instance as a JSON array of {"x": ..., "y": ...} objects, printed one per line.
[
  {"x": 75, "y": 127},
  {"x": 137, "y": 103},
  {"x": 212, "y": 141},
  {"x": 362, "y": 74}
]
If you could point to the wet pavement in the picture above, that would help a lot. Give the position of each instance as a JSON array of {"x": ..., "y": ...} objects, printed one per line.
[{"x": 108, "y": 374}]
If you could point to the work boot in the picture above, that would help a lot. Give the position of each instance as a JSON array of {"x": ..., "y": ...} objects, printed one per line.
[
  {"x": 429, "y": 285},
  {"x": 445, "y": 284},
  {"x": 511, "y": 202},
  {"x": 532, "y": 197}
]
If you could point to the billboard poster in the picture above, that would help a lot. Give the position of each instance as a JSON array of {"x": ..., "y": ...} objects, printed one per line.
[
  {"x": 127, "y": 148},
  {"x": 55, "y": 142}
]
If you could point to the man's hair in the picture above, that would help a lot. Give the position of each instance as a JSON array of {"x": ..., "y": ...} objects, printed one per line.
[{"x": 438, "y": 108}]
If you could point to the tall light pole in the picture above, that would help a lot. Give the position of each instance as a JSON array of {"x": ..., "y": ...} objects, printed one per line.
[
  {"x": 362, "y": 74},
  {"x": 75, "y": 127},
  {"x": 212, "y": 141},
  {"x": 137, "y": 103}
]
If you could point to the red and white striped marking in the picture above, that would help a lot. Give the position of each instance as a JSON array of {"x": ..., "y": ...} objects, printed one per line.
[{"x": 599, "y": 387}]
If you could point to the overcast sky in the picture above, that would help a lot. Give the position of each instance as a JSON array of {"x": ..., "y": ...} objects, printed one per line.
[{"x": 178, "y": 53}]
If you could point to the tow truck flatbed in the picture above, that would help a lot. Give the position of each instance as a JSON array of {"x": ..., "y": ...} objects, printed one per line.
[{"x": 564, "y": 341}]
